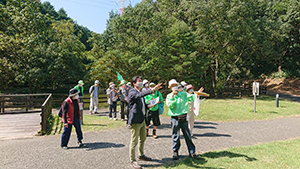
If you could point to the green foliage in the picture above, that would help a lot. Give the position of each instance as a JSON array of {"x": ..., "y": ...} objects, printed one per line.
[{"x": 205, "y": 43}]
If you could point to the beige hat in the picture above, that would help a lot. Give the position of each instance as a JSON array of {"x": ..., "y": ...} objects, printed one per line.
[
  {"x": 152, "y": 84},
  {"x": 172, "y": 81}
]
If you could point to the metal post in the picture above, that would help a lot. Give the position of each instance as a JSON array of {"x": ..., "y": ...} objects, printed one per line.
[
  {"x": 255, "y": 103},
  {"x": 277, "y": 100}
]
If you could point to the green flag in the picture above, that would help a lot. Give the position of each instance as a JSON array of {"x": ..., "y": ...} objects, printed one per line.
[{"x": 119, "y": 76}]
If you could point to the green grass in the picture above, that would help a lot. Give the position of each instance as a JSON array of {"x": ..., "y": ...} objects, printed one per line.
[
  {"x": 242, "y": 109},
  {"x": 281, "y": 154},
  {"x": 90, "y": 123}
]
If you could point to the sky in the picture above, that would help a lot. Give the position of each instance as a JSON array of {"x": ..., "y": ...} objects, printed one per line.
[{"x": 90, "y": 13}]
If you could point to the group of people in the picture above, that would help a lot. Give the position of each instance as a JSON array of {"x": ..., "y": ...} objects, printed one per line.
[
  {"x": 136, "y": 99},
  {"x": 177, "y": 101}
]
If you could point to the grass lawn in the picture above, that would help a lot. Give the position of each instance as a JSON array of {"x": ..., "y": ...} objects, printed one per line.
[
  {"x": 242, "y": 109},
  {"x": 281, "y": 154},
  {"x": 90, "y": 123}
]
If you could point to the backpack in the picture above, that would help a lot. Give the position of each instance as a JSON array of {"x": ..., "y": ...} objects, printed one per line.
[{"x": 60, "y": 110}]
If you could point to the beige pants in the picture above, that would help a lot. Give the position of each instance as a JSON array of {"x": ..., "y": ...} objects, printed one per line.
[
  {"x": 93, "y": 104},
  {"x": 191, "y": 116},
  {"x": 137, "y": 131}
]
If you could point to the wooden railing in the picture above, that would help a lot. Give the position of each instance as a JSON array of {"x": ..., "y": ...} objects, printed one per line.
[
  {"x": 239, "y": 89},
  {"x": 46, "y": 112},
  {"x": 23, "y": 101}
]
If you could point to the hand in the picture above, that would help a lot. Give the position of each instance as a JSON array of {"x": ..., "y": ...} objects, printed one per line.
[
  {"x": 201, "y": 89},
  {"x": 175, "y": 92},
  {"x": 157, "y": 87},
  {"x": 149, "y": 106},
  {"x": 66, "y": 125}
]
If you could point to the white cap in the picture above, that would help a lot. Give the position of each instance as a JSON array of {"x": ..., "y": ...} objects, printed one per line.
[
  {"x": 152, "y": 84},
  {"x": 183, "y": 83},
  {"x": 172, "y": 81},
  {"x": 97, "y": 81},
  {"x": 145, "y": 81}
]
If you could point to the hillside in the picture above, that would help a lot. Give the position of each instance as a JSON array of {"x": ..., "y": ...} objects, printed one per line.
[{"x": 288, "y": 85}]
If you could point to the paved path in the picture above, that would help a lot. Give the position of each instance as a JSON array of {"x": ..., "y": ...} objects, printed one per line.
[{"x": 109, "y": 149}]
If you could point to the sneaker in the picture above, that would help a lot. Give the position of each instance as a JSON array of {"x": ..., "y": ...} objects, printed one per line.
[
  {"x": 194, "y": 156},
  {"x": 144, "y": 158},
  {"x": 122, "y": 119},
  {"x": 80, "y": 144},
  {"x": 175, "y": 155},
  {"x": 115, "y": 119},
  {"x": 65, "y": 147},
  {"x": 154, "y": 134},
  {"x": 136, "y": 165},
  {"x": 96, "y": 113},
  {"x": 110, "y": 118},
  {"x": 91, "y": 112}
]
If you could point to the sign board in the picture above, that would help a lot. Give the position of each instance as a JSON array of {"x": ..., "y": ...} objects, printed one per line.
[{"x": 255, "y": 88}]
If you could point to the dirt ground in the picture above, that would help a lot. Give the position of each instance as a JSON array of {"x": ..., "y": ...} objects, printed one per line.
[{"x": 285, "y": 85}]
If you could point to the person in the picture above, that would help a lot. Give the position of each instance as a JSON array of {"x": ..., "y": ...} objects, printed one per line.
[
  {"x": 129, "y": 85},
  {"x": 177, "y": 103},
  {"x": 94, "y": 93},
  {"x": 112, "y": 96},
  {"x": 183, "y": 84},
  {"x": 152, "y": 114},
  {"x": 191, "y": 119},
  {"x": 136, "y": 119},
  {"x": 146, "y": 85},
  {"x": 71, "y": 116},
  {"x": 79, "y": 87},
  {"x": 124, "y": 91},
  {"x": 181, "y": 88}
]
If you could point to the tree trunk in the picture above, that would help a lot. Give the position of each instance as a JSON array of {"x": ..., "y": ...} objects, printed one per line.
[{"x": 214, "y": 76}]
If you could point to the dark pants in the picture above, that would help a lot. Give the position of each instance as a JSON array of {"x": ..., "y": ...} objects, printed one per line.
[
  {"x": 113, "y": 106},
  {"x": 176, "y": 126},
  {"x": 67, "y": 132},
  {"x": 124, "y": 106}
]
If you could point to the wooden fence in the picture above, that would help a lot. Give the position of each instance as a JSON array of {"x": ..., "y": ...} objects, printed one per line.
[
  {"x": 239, "y": 89},
  {"x": 46, "y": 111},
  {"x": 23, "y": 101},
  {"x": 27, "y": 102}
]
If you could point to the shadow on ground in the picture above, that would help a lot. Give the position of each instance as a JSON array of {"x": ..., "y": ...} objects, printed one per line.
[
  {"x": 203, "y": 159},
  {"x": 211, "y": 135},
  {"x": 98, "y": 145}
]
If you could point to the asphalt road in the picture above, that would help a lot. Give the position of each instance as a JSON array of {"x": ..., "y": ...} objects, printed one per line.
[{"x": 110, "y": 148}]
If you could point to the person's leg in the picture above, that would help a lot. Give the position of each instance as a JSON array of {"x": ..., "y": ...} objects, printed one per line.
[
  {"x": 156, "y": 122},
  {"x": 135, "y": 132},
  {"x": 110, "y": 110},
  {"x": 77, "y": 126},
  {"x": 115, "y": 109},
  {"x": 95, "y": 105},
  {"x": 191, "y": 122},
  {"x": 147, "y": 121},
  {"x": 65, "y": 137},
  {"x": 175, "y": 134},
  {"x": 187, "y": 136},
  {"x": 91, "y": 105},
  {"x": 122, "y": 110},
  {"x": 127, "y": 112},
  {"x": 142, "y": 138}
]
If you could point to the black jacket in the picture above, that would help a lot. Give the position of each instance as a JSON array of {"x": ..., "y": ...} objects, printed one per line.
[{"x": 136, "y": 100}]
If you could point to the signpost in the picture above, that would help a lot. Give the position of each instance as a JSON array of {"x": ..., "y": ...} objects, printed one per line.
[{"x": 255, "y": 90}]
